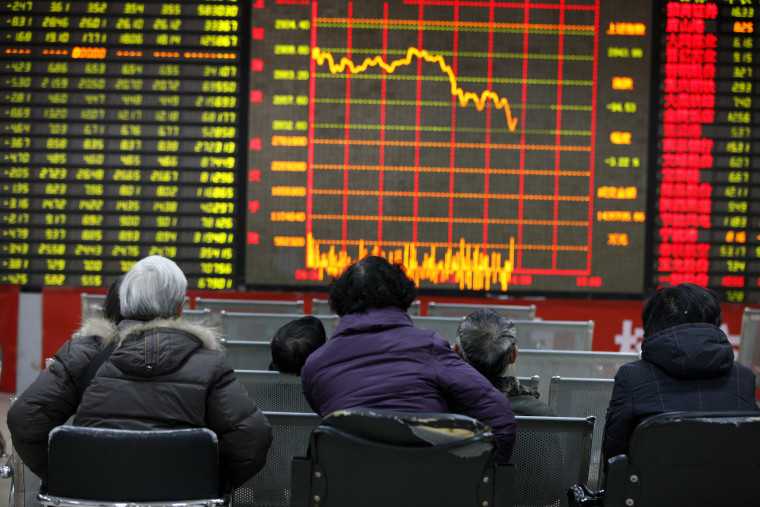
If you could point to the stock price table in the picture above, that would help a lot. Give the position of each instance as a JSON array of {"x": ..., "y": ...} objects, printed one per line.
[{"x": 120, "y": 132}]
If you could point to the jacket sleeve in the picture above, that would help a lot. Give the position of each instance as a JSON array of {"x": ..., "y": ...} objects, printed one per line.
[
  {"x": 243, "y": 431},
  {"x": 49, "y": 402},
  {"x": 469, "y": 393},
  {"x": 619, "y": 420}
]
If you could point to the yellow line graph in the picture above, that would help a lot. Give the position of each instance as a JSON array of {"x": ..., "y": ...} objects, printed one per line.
[{"x": 377, "y": 61}]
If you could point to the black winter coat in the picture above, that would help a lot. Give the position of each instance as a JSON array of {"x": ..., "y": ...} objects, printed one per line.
[
  {"x": 165, "y": 374},
  {"x": 689, "y": 367},
  {"x": 53, "y": 396}
]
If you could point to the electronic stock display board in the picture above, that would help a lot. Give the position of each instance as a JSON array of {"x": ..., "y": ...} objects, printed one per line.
[{"x": 597, "y": 147}]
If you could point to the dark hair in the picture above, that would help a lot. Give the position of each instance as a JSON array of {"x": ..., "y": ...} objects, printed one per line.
[
  {"x": 373, "y": 282},
  {"x": 294, "y": 341},
  {"x": 486, "y": 340},
  {"x": 684, "y": 303},
  {"x": 111, "y": 308}
]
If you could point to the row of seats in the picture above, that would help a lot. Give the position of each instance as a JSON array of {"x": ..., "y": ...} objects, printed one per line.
[
  {"x": 373, "y": 459},
  {"x": 532, "y": 334},
  {"x": 93, "y": 302},
  {"x": 568, "y": 397}
]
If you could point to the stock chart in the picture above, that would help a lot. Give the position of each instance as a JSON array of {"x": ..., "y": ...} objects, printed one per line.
[{"x": 554, "y": 147}]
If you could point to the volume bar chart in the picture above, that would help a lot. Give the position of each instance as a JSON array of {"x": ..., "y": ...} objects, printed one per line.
[{"x": 477, "y": 143}]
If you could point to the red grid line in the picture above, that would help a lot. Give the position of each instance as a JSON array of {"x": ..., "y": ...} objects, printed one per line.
[
  {"x": 381, "y": 172},
  {"x": 349, "y": 43},
  {"x": 452, "y": 149},
  {"x": 521, "y": 190},
  {"x": 512, "y": 5},
  {"x": 558, "y": 153},
  {"x": 593, "y": 140}
]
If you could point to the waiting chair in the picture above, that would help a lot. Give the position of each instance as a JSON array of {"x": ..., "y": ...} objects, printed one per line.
[
  {"x": 699, "y": 459},
  {"x": 749, "y": 346},
  {"x": 581, "y": 397},
  {"x": 273, "y": 391},
  {"x": 322, "y": 307},
  {"x": 245, "y": 326},
  {"x": 107, "y": 467},
  {"x": 244, "y": 355},
  {"x": 381, "y": 458},
  {"x": 550, "y": 455},
  {"x": 513, "y": 312},
  {"x": 290, "y": 438}
]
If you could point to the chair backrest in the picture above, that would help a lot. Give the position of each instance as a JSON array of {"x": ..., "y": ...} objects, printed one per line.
[
  {"x": 749, "y": 346},
  {"x": 512, "y": 312},
  {"x": 322, "y": 307},
  {"x": 696, "y": 459},
  {"x": 380, "y": 458},
  {"x": 248, "y": 355},
  {"x": 274, "y": 391},
  {"x": 444, "y": 326},
  {"x": 555, "y": 334},
  {"x": 569, "y": 363},
  {"x": 531, "y": 334},
  {"x": 550, "y": 455},
  {"x": 249, "y": 305},
  {"x": 241, "y": 326},
  {"x": 531, "y": 381},
  {"x": 581, "y": 397},
  {"x": 132, "y": 466},
  {"x": 271, "y": 487},
  {"x": 92, "y": 304}
]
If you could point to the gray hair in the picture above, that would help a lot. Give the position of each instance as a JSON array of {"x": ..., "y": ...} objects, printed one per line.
[
  {"x": 487, "y": 339},
  {"x": 153, "y": 288}
]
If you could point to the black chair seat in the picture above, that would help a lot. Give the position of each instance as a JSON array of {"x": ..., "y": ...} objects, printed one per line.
[
  {"x": 380, "y": 458},
  {"x": 106, "y": 465}
]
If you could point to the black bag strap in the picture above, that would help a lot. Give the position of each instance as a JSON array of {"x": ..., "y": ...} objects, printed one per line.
[{"x": 96, "y": 363}]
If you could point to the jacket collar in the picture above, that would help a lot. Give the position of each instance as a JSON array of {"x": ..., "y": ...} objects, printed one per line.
[{"x": 208, "y": 335}]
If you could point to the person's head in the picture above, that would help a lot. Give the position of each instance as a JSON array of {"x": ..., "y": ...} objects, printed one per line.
[
  {"x": 684, "y": 303},
  {"x": 153, "y": 288},
  {"x": 111, "y": 305},
  {"x": 372, "y": 282},
  {"x": 488, "y": 341},
  {"x": 294, "y": 341}
]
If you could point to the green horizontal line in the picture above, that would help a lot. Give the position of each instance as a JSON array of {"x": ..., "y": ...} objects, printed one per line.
[
  {"x": 464, "y": 54},
  {"x": 460, "y": 79},
  {"x": 425, "y": 128},
  {"x": 443, "y": 103},
  {"x": 379, "y": 26}
]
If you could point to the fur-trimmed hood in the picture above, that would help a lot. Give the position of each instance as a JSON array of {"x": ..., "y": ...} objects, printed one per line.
[
  {"x": 209, "y": 336},
  {"x": 161, "y": 346},
  {"x": 101, "y": 327}
]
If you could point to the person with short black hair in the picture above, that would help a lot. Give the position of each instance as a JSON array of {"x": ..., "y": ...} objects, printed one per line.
[
  {"x": 294, "y": 342},
  {"x": 377, "y": 358},
  {"x": 687, "y": 364},
  {"x": 488, "y": 341}
]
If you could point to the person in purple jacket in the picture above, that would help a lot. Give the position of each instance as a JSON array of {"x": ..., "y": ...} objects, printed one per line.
[{"x": 377, "y": 358}]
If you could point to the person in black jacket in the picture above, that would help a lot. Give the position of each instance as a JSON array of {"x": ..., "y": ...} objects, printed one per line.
[
  {"x": 55, "y": 394},
  {"x": 166, "y": 373},
  {"x": 687, "y": 364},
  {"x": 488, "y": 341}
]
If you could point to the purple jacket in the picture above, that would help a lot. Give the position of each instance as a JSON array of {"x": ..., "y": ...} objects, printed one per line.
[{"x": 378, "y": 359}]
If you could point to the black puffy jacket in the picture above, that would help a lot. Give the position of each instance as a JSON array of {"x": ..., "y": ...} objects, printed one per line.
[
  {"x": 690, "y": 368},
  {"x": 172, "y": 374}
]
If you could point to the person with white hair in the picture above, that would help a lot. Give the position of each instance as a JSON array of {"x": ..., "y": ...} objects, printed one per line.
[
  {"x": 170, "y": 373},
  {"x": 488, "y": 341}
]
